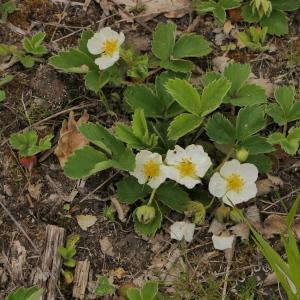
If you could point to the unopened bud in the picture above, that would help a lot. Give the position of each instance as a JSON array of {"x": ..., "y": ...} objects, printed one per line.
[
  {"x": 242, "y": 154},
  {"x": 222, "y": 213},
  {"x": 145, "y": 214}
]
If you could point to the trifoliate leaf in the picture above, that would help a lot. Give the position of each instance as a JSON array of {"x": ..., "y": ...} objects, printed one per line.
[
  {"x": 220, "y": 130},
  {"x": 191, "y": 45},
  {"x": 34, "y": 45},
  {"x": 213, "y": 95},
  {"x": 250, "y": 120},
  {"x": 104, "y": 288},
  {"x": 163, "y": 40},
  {"x": 173, "y": 196},
  {"x": 183, "y": 124},
  {"x": 129, "y": 190},
  {"x": 185, "y": 94},
  {"x": 32, "y": 293},
  {"x": 177, "y": 65}
]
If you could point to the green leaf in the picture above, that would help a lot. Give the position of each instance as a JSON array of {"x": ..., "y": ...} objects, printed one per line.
[
  {"x": 185, "y": 94},
  {"x": 249, "y": 94},
  {"x": 237, "y": 74},
  {"x": 26, "y": 60},
  {"x": 177, "y": 65},
  {"x": 287, "y": 5},
  {"x": 173, "y": 196},
  {"x": 229, "y": 4},
  {"x": 250, "y": 120},
  {"x": 277, "y": 23},
  {"x": 125, "y": 134},
  {"x": 140, "y": 96},
  {"x": 32, "y": 293},
  {"x": 139, "y": 124},
  {"x": 220, "y": 130},
  {"x": 209, "y": 77},
  {"x": 94, "y": 81},
  {"x": 213, "y": 95},
  {"x": 6, "y": 79},
  {"x": 183, "y": 124},
  {"x": 262, "y": 162},
  {"x": 2, "y": 96},
  {"x": 5, "y": 9},
  {"x": 129, "y": 190},
  {"x": 82, "y": 44},
  {"x": 73, "y": 61},
  {"x": 149, "y": 290},
  {"x": 163, "y": 40},
  {"x": 139, "y": 68},
  {"x": 100, "y": 136},
  {"x": 276, "y": 113},
  {"x": 257, "y": 145},
  {"x": 191, "y": 45},
  {"x": 134, "y": 294},
  {"x": 248, "y": 15},
  {"x": 34, "y": 45},
  {"x": 285, "y": 98},
  {"x": 149, "y": 228},
  {"x": 85, "y": 162},
  {"x": 104, "y": 288}
]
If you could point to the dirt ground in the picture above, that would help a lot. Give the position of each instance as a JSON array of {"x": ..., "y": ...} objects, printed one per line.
[{"x": 42, "y": 97}]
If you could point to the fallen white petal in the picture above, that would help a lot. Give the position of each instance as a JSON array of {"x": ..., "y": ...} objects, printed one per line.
[
  {"x": 223, "y": 242},
  {"x": 180, "y": 230},
  {"x": 86, "y": 221}
]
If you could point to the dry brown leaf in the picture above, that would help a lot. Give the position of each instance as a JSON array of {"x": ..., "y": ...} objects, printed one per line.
[
  {"x": 70, "y": 138},
  {"x": 119, "y": 272},
  {"x": 216, "y": 227},
  {"x": 274, "y": 224},
  {"x": 152, "y": 8},
  {"x": 267, "y": 185},
  {"x": 220, "y": 63},
  {"x": 106, "y": 7},
  {"x": 106, "y": 247},
  {"x": 241, "y": 230},
  {"x": 265, "y": 83},
  {"x": 253, "y": 216},
  {"x": 271, "y": 279},
  {"x": 86, "y": 221},
  {"x": 227, "y": 27},
  {"x": 35, "y": 190}
]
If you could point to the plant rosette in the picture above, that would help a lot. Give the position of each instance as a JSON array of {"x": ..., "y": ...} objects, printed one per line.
[
  {"x": 106, "y": 42},
  {"x": 234, "y": 183}
]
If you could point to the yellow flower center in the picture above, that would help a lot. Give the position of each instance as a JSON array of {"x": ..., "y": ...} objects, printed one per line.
[
  {"x": 235, "y": 183},
  {"x": 110, "y": 46},
  {"x": 151, "y": 169},
  {"x": 186, "y": 168}
]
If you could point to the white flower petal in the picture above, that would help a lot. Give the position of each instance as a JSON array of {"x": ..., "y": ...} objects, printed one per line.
[
  {"x": 155, "y": 182},
  {"x": 249, "y": 172},
  {"x": 108, "y": 34},
  {"x": 217, "y": 185},
  {"x": 94, "y": 44},
  {"x": 106, "y": 61},
  {"x": 249, "y": 191},
  {"x": 232, "y": 166},
  {"x": 121, "y": 38},
  {"x": 175, "y": 156},
  {"x": 222, "y": 242},
  {"x": 180, "y": 230},
  {"x": 203, "y": 165},
  {"x": 189, "y": 182},
  {"x": 173, "y": 173}
]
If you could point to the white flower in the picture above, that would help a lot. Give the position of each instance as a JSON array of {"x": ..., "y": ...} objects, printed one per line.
[
  {"x": 188, "y": 165},
  {"x": 223, "y": 242},
  {"x": 149, "y": 169},
  {"x": 235, "y": 183},
  {"x": 180, "y": 230},
  {"x": 106, "y": 42}
]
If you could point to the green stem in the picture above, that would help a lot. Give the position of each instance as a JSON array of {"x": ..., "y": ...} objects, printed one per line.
[
  {"x": 104, "y": 101},
  {"x": 224, "y": 160},
  {"x": 210, "y": 203},
  {"x": 151, "y": 197}
]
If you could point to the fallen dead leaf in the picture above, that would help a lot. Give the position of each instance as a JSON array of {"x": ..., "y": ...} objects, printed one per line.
[
  {"x": 271, "y": 279},
  {"x": 265, "y": 83},
  {"x": 216, "y": 227},
  {"x": 86, "y": 221},
  {"x": 273, "y": 225},
  {"x": 121, "y": 209},
  {"x": 119, "y": 272},
  {"x": 152, "y": 8},
  {"x": 70, "y": 138},
  {"x": 235, "y": 14},
  {"x": 241, "y": 230},
  {"x": 35, "y": 190},
  {"x": 106, "y": 247},
  {"x": 220, "y": 63},
  {"x": 267, "y": 185},
  {"x": 253, "y": 216},
  {"x": 227, "y": 27}
]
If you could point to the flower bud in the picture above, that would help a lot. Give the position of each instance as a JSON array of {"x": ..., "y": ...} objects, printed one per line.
[
  {"x": 222, "y": 213},
  {"x": 199, "y": 211},
  {"x": 145, "y": 214},
  {"x": 242, "y": 154}
]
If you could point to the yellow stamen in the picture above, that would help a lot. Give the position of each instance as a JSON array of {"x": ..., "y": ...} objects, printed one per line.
[
  {"x": 186, "y": 168},
  {"x": 151, "y": 169},
  {"x": 109, "y": 47},
  {"x": 235, "y": 183}
]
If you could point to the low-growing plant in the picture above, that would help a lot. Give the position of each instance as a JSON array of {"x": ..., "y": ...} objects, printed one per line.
[
  {"x": 6, "y": 79},
  {"x": 104, "y": 288},
  {"x": 68, "y": 252},
  {"x": 254, "y": 39},
  {"x": 5, "y": 9},
  {"x": 31, "y": 51},
  {"x": 32, "y": 293}
]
